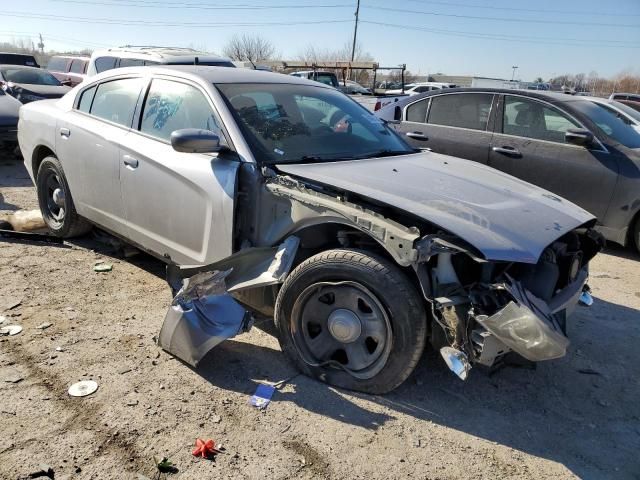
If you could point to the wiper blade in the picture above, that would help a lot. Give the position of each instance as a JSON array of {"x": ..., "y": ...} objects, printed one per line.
[{"x": 387, "y": 153}]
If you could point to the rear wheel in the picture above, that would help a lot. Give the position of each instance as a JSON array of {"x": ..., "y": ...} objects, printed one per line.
[
  {"x": 352, "y": 320},
  {"x": 56, "y": 203}
]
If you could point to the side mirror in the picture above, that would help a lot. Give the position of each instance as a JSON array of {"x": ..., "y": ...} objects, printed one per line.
[
  {"x": 578, "y": 136},
  {"x": 195, "y": 140}
]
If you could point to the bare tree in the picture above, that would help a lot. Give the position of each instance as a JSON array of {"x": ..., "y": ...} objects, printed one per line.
[
  {"x": 249, "y": 48},
  {"x": 313, "y": 54}
]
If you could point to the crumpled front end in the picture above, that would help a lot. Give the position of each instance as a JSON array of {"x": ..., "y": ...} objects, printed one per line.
[{"x": 485, "y": 310}]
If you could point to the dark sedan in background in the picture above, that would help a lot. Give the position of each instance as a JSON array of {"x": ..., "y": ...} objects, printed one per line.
[
  {"x": 9, "y": 108},
  {"x": 29, "y": 84},
  {"x": 583, "y": 149}
]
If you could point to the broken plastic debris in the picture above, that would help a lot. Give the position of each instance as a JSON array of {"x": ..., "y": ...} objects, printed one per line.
[
  {"x": 10, "y": 330},
  {"x": 44, "y": 326},
  {"x": 102, "y": 267},
  {"x": 83, "y": 388},
  {"x": 456, "y": 361},
  {"x": 204, "y": 449},
  {"x": 586, "y": 299},
  {"x": 2, "y": 319},
  {"x": 262, "y": 397}
]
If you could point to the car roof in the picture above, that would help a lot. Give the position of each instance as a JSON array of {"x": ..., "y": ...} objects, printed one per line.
[
  {"x": 17, "y": 54},
  {"x": 20, "y": 67},
  {"x": 81, "y": 57},
  {"x": 157, "y": 53},
  {"x": 551, "y": 97},
  {"x": 211, "y": 74}
]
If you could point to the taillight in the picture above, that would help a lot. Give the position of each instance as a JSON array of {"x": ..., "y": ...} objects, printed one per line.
[{"x": 378, "y": 106}]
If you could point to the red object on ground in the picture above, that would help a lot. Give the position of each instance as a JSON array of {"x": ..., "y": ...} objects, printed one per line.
[{"x": 204, "y": 449}]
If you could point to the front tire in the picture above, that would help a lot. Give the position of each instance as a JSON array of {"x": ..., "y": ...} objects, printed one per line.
[
  {"x": 351, "y": 319},
  {"x": 56, "y": 204}
]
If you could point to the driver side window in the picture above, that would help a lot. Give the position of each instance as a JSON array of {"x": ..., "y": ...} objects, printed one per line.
[
  {"x": 173, "y": 106},
  {"x": 528, "y": 118}
]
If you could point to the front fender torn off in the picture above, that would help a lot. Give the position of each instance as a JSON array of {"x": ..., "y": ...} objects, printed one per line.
[
  {"x": 203, "y": 313},
  {"x": 201, "y": 316}
]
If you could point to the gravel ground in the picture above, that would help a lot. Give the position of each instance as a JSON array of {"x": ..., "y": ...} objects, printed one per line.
[{"x": 577, "y": 417}]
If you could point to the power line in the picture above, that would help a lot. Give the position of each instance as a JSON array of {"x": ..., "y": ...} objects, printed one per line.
[
  {"x": 66, "y": 40},
  {"x": 180, "y": 5},
  {"x": 531, "y": 10},
  {"x": 537, "y": 40},
  {"x": 143, "y": 23},
  {"x": 503, "y": 19}
]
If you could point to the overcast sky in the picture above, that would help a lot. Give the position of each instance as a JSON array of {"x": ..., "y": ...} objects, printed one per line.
[{"x": 542, "y": 37}]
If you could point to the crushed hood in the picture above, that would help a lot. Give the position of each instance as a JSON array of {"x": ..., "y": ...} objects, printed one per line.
[{"x": 504, "y": 218}]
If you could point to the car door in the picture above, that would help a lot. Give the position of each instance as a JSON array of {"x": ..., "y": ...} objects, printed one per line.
[
  {"x": 88, "y": 144},
  {"x": 453, "y": 124},
  {"x": 529, "y": 143},
  {"x": 178, "y": 205}
]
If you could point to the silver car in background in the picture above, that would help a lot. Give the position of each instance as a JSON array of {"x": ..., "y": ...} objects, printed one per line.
[{"x": 273, "y": 195}]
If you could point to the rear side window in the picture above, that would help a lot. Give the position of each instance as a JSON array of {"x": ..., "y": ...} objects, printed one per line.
[
  {"x": 57, "y": 64},
  {"x": 130, "y": 62},
  {"x": 466, "y": 110},
  {"x": 417, "y": 112},
  {"x": 84, "y": 105},
  {"x": 115, "y": 101},
  {"x": 105, "y": 63},
  {"x": 172, "y": 106},
  {"x": 77, "y": 66},
  {"x": 17, "y": 59}
]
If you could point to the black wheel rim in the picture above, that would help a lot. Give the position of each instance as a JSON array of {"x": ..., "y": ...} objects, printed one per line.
[
  {"x": 342, "y": 325},
  {"x": 55, "y": 203}
]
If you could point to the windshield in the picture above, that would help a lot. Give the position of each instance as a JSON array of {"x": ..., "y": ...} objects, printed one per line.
[
  {"x": 627, "y": 109},
  {"x": 31, "y": 76},
  {"x": 612, "y": 123},
  {"x": 293, "y": 123}
]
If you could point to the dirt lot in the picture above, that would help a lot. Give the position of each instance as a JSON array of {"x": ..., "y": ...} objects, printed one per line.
[{"x": 574, "y": 417}]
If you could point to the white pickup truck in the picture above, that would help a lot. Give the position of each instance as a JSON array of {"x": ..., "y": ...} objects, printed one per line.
[{"x": 370, "y": 101}]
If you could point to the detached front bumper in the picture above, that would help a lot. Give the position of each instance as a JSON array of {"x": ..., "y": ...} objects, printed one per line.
[{"x": 530, "y": 326}]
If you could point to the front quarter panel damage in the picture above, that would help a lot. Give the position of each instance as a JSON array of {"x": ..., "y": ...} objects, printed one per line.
[{"x": 307, "y": 206}]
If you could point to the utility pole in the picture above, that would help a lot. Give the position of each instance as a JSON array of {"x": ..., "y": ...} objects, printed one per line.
[
  {"x": 41, "y": 44},
  {"x": 355, "y": 32}
]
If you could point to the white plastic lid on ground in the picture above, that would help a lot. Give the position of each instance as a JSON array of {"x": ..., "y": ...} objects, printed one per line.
[
  {"x": 83, "y": 388},
  {"x": 10, "y": 330}
]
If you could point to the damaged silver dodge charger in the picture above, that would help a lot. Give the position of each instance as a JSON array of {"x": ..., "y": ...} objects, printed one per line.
[{"x": 273, "y": 196}]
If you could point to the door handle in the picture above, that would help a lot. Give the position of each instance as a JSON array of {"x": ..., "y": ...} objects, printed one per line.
[
  {"x": 130, "y": 162},
  {"x": 417, "y": 136},
  {"x": 509, "y": 151},
  {"x": 65, "y": 132}
]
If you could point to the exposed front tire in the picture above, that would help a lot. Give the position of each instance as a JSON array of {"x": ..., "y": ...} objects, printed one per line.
[
  {"x": 351, "y": 319},
  {"x": 56, "y": 203}
]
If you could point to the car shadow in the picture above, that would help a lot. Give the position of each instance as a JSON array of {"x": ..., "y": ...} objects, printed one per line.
[
  {"x": 581, "y": 411},
  {"x": 622, "y": 252}
]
